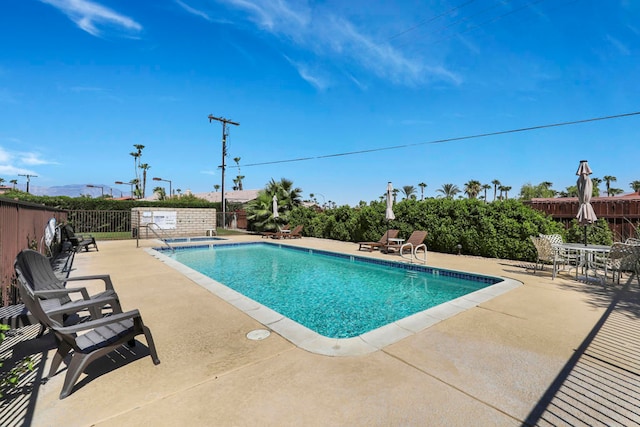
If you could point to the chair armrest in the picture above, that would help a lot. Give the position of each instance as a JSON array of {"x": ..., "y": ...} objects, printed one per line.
[
  {"x": 57, "y": 293},
  {"x": 104, "y": 277},
  {"x": 81, "y": 305},
  {"x": 92, "y": 324}
]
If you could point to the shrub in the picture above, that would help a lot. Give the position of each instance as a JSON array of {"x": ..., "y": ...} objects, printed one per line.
[{"x": 495, "y": 230}]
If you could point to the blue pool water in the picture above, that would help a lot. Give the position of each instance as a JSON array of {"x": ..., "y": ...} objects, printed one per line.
[
  {"x": 337, "y": 296},
  {"x": 191, "y": 239}
]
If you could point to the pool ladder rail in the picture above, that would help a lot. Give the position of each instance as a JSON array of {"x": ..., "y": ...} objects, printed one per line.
[
  {"x": 414, "y": 252},
  {"x": 163, "y": 238}
]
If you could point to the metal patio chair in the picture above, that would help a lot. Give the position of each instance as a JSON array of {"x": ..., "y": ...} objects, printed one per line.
[{"x": 622, "y": 258}]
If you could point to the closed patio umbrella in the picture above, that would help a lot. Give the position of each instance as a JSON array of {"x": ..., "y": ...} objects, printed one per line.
[
  {"x": 586, "y": 214},
  {"x": 389, "y": 215},
  {"x": 275, "y": 207}
]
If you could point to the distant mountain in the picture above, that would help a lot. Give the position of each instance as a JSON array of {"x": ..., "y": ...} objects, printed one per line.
[{"x": 72, "y": 190}]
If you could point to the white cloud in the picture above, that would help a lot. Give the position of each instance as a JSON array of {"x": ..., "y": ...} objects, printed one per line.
[
  {"x": 13, "y": 163},
  {"x": 10, "y": 170},
  {"x": 193, "y": 11},
  {"x": 308, "y": 74},
  {"x": 4, "y": 156},
  {"x": 276, "y": 15},
  {"x": 620, "y": 47},
  {"x": 89, "y": 16},
  {"x": 333, "y": 38},
  {"x": 34, "y": 159}
]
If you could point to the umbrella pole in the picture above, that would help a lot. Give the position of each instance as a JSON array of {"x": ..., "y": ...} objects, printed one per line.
[{"x": 585, "y": 235}]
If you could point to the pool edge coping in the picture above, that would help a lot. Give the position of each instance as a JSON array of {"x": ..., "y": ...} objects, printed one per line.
[{"x": 366, "y": 343}]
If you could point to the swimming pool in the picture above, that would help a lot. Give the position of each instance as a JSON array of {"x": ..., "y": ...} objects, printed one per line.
[
  {"x": 318, "y": 296},
  {"x": 191, "y": 239}
]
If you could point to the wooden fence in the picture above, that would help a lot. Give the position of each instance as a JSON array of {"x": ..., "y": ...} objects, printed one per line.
[
  {"x": 622, "y": 213},
  {"x": 21, "y": 226}
]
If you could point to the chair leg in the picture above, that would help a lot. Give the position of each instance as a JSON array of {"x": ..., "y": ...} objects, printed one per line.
[
  {"x": 78, "y": 363},
  {"x": 61, "y": 353},
  {"x": 151, "y": 344}
]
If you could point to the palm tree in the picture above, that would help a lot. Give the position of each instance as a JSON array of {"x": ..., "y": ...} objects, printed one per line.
[
  {"x": 495, "y": 183},
  {"x": 14, "y": 182},
  {"x": 216, "y": 187},
  {"x": 1, "y": 181},
  {"x": 571, "y": 191},
  {"x": 288, "y": 196},
  {"x": 596, "y": 186},
  {"x": 162, "y": 195},
  {"x": 472, "y": 188},
  {"x": 615, "y": 191},
  {"x": 408, "y": 191},
  {"x": 135, "y": 183},
  {"x": 239, "y": 178},
  {"x": 635, "y": 185},
  {"x": 395, "y": 194},
  {"x": 136, "y": 162},
  {"x": 145, "y": 167},
  {"x": 449, "y": 191},
  {"x": 485, "y": 187},
  {"x": 506, "y": 190},
  {"x": 422, "y": 186},
  {"x": 608, "y": 179},
  {"x": 260, "y": 212}
]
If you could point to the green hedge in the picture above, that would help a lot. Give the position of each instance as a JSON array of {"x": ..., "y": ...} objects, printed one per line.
[
  {"x": 108, "y": 204},
  {"x": 495, "y": 230}
]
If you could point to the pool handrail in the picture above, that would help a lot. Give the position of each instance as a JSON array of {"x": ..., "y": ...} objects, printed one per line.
[{"x": 163, "y": 239}]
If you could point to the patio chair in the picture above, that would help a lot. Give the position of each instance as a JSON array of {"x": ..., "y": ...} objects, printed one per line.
[
  {"x": 622, "y": 258},
  {"x": 545, "y": 253},
  {"x": 38, "y": 274},
  {"x": 414, "y": 243},
  {"x": 79, "y": 242},
  {"x": 283, "y": 229},
  {"x": 370, "y": 246},
  {"x": 89, "y": 340},
  {"x": 632, "y": 241},
  {"x": 569, "y": 258},
  {"x": 296, "y": 233}
]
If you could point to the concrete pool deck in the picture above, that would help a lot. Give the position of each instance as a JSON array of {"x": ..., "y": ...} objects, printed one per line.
[{"x": 526, "y": 356}]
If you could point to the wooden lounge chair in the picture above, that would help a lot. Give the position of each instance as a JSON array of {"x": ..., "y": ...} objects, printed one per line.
[
  {"x": 296, "y": 233},
  {"x": 89, "y": 340},
  {"x": 414, "y": 243},
  {"x": 384, "y": 240},
  {"x": 78, "y": 241},
  {"x": 283, "y": 229}
]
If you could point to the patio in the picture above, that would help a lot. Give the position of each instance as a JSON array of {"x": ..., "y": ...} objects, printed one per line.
[{"x": 546, "y": 353}]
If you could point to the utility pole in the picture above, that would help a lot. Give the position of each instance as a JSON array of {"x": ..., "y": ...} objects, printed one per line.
[
  {"x": 28, "y": 179},
  {"x": 224, "y": 154}
]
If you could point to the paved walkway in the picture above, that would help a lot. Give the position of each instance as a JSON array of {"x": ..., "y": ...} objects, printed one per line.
[{"x": 546, "y": 353}]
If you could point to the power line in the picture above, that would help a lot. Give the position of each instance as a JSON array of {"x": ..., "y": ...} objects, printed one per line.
[
  {"x": 430, "y": 20},
  {"x": 460, "y": 20},
  {"x": 458, "y": 138}
]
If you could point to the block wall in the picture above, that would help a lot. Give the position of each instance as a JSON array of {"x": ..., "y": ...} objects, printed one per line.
[{"x": 175, "y": 222}]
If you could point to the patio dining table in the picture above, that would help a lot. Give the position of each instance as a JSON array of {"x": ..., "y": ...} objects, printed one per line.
[{"x": 585, "y": 254}]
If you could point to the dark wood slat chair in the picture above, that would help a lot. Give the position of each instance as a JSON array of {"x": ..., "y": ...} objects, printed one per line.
[{"x": 384, "y": 240}]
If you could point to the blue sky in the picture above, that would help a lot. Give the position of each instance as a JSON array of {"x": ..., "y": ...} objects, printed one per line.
[{"x": 82, "y": 81}]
